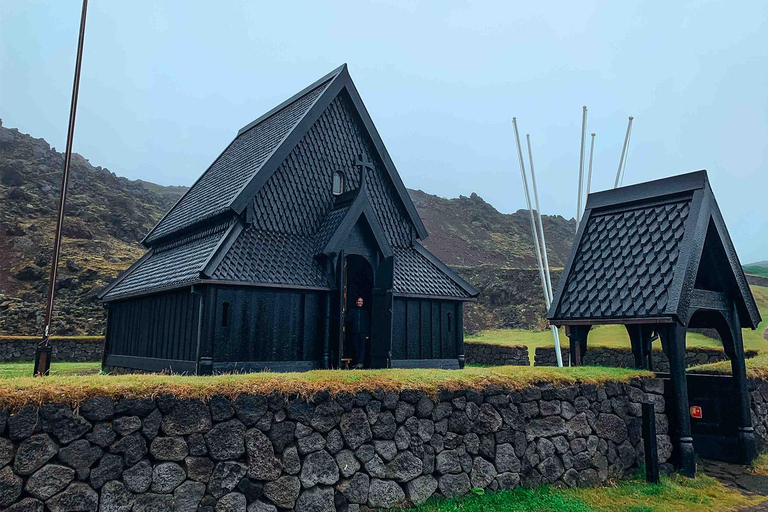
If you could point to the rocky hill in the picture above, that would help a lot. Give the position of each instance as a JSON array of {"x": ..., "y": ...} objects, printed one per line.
[{"x": 108, "y": 215}]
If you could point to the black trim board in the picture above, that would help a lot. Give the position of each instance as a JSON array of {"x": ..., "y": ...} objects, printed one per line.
[
  {"x": 221, "y": 250},
  {"x": 150, "y": 364},
  {"x": 443, "y": 364}
]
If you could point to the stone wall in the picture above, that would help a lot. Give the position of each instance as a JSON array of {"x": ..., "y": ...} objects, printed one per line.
[
  {"x": 758, "y": 393},
  {"x": 623, "y": 358},
  {"x": 496, "y": 355},
  {"x": 345, "y": 452},
  {"x": 63, "y": 349}
]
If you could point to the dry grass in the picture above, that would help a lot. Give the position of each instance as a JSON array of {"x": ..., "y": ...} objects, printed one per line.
[
  {"x": 17, "y": 392},
  {"x": 8, "y": 337}
]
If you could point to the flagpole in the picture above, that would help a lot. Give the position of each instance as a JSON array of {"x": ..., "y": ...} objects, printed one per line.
[
  {"x": 43, "y": 351},
  {"x": 533, "y": 222},
  {"x": 548, "y": 293},
  {"x": 622, "y": 158}
]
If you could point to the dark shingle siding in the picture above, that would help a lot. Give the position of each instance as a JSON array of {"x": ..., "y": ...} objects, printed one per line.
[
  {"x": 171, "y": 264},
  {"x": 625, "y": 263},
  {"x": 415, "y": 274},
  {"x": 328, "y": 227},
  {"x": 297, "y": 197},
  {"x": 267, "y": 257},
  {"x": 239, "y": 163}
]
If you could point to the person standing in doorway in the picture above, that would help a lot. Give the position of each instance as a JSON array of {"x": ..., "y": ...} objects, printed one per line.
[{"x": 358, "y": 329}]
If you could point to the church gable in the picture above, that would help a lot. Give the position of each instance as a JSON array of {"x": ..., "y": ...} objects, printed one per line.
[{"x": 298, "y": 196}]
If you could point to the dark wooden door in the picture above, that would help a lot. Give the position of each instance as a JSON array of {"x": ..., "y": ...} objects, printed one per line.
[{"x": 381, "y": 332}]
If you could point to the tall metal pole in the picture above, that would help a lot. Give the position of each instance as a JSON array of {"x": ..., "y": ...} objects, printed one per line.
[
  {"x": 622, "y": 159},
  {"x": 43, "y": 352},
  {"x": 533, "y": 223},
  {"x": 581, "y": 163},
  {"x": 548, "y": 292},
  {"x": 589, "y": 173}
]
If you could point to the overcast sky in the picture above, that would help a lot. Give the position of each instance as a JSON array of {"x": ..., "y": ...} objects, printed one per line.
[{"x": 166, "y": 86}]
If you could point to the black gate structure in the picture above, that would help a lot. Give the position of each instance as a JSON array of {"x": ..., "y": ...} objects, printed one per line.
[
  {"x": 714, "y": 416},
  {"x": 657, "y": 258}
]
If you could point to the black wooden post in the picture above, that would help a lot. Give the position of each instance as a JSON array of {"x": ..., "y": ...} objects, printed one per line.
[
  {"x": 673, "y": 338},
  {"x": 649, "y": 442},
  {"x": 578, "y": 343},
  {"x": 327, "y": 333},
  {"x": 637, "y": 340},
  {"x": 734, "y": 348}
]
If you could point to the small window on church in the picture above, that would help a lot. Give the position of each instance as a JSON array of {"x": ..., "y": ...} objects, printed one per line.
[
  {"x": 338, "y": 183},
  {"x": 449, "y": 322},
  {"x": 225, "y": 314}
]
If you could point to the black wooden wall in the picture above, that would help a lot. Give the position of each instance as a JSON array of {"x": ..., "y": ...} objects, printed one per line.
[
  {"x": 264, "y": 324},
  {"x": 426, "y": 329},
  {"x": 162, "y": 326}
]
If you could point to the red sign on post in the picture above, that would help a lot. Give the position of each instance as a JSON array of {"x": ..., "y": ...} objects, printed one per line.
[{"x": 696, "y": 412}]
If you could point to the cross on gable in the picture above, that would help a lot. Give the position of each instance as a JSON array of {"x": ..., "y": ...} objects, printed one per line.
[{"x": 362, "y": 162}]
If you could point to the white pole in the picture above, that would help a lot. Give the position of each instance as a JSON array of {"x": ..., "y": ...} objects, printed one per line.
[
  {"x": 581, "y": 163},
  {"x": 548, "y": 292},
  {"x": 530, "y": 210},
  {"x": 589, "y": 173},
  {"x": 623, "y": 152},
  {"x": 626, "y": 154}
]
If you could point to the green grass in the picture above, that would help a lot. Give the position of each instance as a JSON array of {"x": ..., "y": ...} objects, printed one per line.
[
  {"x": 673, "y": 494},
  {"x": 756, "y": 270},
  {"x": 15, "y": 370},
  {"x": 17, "y": 391},
  {"x": 616, "y": 335}
]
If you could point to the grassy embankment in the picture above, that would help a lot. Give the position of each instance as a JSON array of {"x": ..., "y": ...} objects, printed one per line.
[
  {"x": 616, "y": 335},
  {"x": 63, "y": 388}
]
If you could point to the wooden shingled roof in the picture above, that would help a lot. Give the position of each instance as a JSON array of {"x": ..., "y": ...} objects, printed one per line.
[
  {"x": 638, "y": 252},
  {"x": 237, "y": 226}
]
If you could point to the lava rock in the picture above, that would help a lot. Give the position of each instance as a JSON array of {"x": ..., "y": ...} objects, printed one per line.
[
  {"x": 102, "y": 435},
  {"x": 232, "y": 502},
  {"x": 166, "y": 477},
  {"x": 33, "y": 453},
  {"x": 10, "y": 486},
  {"x": 326, "y": 416},
  {"x": 355, "y": 428},
  {"x": 355, "y": 489},
  {"x": 404, "y": 467},
  {"x": 139, "y": 477},
  {"x": 385, "y": 494},
  {"x": 133, "y": 448},
  {"x": 62, "y": 423},
  {"x": 199, "y": 469},
  {"x": 319, "y": 468},
  {"x": 110, "y": 468},
  {"x": 283, "y": 492},
  {"x": 316, "y": 499},
  {"x": 115, "y": 497},
  {"x": 78, "y": 497},
  {"x": 226, "y": 441},
  {"x": 49, "y": 480},
  {"x": 454, "y": 485},
  {"x": 421, "y": 489},
  {"x": 26, "y": 505},
  {"x": 99, "y": 408},
  {"x": 225, "y": 477},
  {"x": 126, "y": 425},
  {"x": 169, "y": 448},
  {"x": 262, "y": 463},
  {"x": 185, "y": 416}
]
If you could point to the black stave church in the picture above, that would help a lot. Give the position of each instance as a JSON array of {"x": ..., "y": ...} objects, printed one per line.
[{"x": 256, "y": 266}]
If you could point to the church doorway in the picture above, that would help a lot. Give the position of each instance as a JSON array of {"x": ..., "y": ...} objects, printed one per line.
[{"x": 358, "y": 303}]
